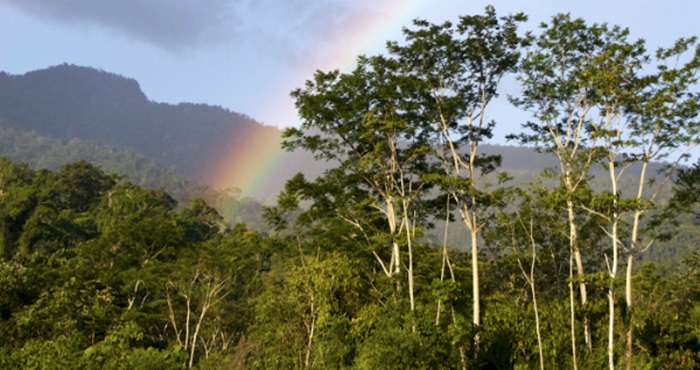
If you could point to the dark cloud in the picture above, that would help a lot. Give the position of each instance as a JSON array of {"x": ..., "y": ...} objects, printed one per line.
[
  {"x": 171, "y": 24},
  {"x": 281, "y": 29}
]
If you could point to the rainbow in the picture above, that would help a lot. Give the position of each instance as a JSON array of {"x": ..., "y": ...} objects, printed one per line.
[{"x": 253, "y": 165}]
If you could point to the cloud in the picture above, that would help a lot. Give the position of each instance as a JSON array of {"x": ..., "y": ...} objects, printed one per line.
[
  {"x": 307, "y": 31},
  {"x": 287, "y": 31},
  {"x": 171, "y": 24}
]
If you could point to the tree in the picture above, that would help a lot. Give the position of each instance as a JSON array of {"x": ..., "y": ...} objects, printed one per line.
[
  {"x": 612, "y": 76},
  {"x": 362, "y": 121},
  {"x": 304, "y": 317},
  {"x": 664, "y": 126},
  {"x": 457, "y": 69},
  {"x": 198, "y": 287},
  {"x": 15, "y": 205},
  {"x": 556, "y": 93},
  {"x": 587, "y": 87}
]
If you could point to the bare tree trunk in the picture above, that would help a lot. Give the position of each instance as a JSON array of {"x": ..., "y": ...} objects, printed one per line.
[
  {"x": 611, "y": 296},
  {"x": 193, "y": 344},
  {"x": 409, "y": 245},
  {"x": 187, "y": 322},
  {"x": 611, "y": 328},
  {"x": 612, "y": 270},
  {"x": 573, "y": 312},
  {"x": 171, "y": 316},
  {"x": 446, "y": 263},
  {"x": 633, "y": 248},
  {"x": 396, "y": 261},
  {"x": 395, "y": 264},
  {"x": 410, "y": 277},
  {"x": 476, "y": 310},
  {"x": 573, "y": 242},
  {"x": 628, "y": 300},
  {"x": 311, "y": 334},
  {"x": 211, "y": 295},
  {"x": 530, "y": 279},
  {"x": 445, "y": 259},
  {"x": 537, "y": 318}
]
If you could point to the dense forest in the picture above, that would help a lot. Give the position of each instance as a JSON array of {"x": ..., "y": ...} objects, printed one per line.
[
  {"x": 360, "y": 267},
  {"x": 47, "y": 153}
]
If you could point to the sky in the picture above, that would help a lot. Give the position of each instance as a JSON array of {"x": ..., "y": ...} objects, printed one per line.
[{"x": 248, "y": 55}]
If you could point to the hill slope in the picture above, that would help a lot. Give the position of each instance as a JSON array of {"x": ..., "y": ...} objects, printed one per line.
[{"x": 68, "y": 101}]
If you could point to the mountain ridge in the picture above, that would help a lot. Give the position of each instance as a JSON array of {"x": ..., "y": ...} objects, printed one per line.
[{"x": 67, "y": 101}]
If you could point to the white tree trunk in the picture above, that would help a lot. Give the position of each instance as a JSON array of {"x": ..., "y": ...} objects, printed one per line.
[
  {"x": 476, "y": 309},
  {"x": 573, "y": 242},
  {"x": 612, "y": 270}
]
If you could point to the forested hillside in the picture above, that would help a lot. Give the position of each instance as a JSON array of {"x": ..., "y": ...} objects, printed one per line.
[
  {"x": 68, "y": 101},
  {"x": 42, "y": 152}
]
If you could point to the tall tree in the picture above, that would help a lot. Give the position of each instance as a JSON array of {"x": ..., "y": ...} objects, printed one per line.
[
  {"x": 613, "y": 76},
  {"x": 362, "y": 121},
  {"x": 664, "y": 125},
  {"x": 457, "y": 69},
  {"x": 593, "y": 100},
  {"x": 556, "y": 93}
]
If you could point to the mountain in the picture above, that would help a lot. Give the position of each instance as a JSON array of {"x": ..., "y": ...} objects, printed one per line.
[{"x": 69, "y": 101}]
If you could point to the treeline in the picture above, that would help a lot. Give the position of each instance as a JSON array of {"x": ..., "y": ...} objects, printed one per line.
[
  {"x": 43, "y": 152},
  {"x": 100, "y": 273}
]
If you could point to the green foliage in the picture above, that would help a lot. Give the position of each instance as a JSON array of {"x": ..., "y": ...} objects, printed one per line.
[
  {"x": 304, "y": 318},
  {"x": 666, "y": 329},
  {"x": 392, "y": 344},
  {"x": 121, "y": 350}
]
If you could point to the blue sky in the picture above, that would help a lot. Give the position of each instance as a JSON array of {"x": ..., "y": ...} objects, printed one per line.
[{"x": 247, "y": 55}]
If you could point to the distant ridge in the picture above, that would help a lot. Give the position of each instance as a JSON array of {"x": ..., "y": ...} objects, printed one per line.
[
  {"x": 42, "y": 152},
  {"x": 68, "y": 101}
]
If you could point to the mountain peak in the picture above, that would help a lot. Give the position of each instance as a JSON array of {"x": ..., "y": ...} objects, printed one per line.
[
  {"x": 68, "y": 101},
  {"x": 84, "y": 82}
]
